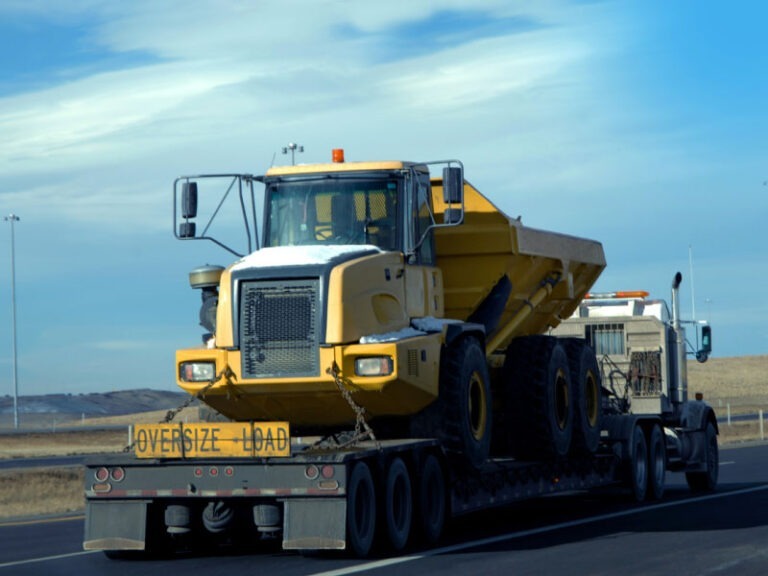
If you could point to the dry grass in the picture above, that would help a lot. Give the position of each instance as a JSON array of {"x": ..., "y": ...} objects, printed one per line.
[
  {"x": 186, "y": 415},
  {"x": 741, "y": 383},
  {"x": 85, "y": 441},
  {"x": 35, "y": 492},
  {"x": 62, "y": 443}
]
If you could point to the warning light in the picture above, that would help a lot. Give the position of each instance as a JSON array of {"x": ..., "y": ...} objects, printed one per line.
[
  {"x": 338, "y": 155},
  {"x": 621, "y": 294}
]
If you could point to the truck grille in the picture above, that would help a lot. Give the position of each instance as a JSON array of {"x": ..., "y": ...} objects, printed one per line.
[{"x": 279, "y": 328}]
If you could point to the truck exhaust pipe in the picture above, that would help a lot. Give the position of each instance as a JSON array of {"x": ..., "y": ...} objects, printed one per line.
[{"x": 679, "y": 388}]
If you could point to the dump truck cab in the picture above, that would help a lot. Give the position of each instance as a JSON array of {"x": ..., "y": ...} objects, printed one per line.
[{"x": 346, "y": 262}]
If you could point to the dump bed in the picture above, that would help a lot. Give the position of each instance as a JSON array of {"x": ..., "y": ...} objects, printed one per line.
[{"x": 550, "y": 273}]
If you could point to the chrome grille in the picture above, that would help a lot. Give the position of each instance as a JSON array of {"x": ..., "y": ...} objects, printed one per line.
[{"x": 279, "y": 328}]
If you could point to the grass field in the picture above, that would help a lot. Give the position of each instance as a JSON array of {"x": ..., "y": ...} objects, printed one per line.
[{"x": 740, "y": 384}]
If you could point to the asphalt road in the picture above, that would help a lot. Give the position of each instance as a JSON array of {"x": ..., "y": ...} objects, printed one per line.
[
  {"x": 42, "y": 462},
  {"x": 724, "y": 533}
]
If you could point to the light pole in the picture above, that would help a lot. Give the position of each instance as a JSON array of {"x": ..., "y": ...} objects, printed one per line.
[
  {"x": 13, "y": 218},
  {"x": 293, "y": 147}
]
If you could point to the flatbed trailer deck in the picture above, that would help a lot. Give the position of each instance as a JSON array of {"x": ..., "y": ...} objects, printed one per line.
[{"x": 306, "y": 495}]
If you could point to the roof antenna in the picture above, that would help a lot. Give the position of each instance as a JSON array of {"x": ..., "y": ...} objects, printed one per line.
[{"x": 693, "y": 295}]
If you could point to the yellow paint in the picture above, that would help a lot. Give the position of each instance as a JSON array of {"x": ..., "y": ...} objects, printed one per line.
[
  {"x": 366, "y": 296},
  {"x": 212, "y": 440}
]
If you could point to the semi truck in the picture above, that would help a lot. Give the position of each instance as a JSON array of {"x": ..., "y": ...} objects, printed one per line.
[{"x": 392, "y": 351}]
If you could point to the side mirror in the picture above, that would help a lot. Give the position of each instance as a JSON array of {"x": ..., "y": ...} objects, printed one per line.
[
  {"x": 187, "y": 230},
  {"x": 189, "y": 200},
  {"x": 706, "y": 344},
  {"x": 453, "y": 185}
]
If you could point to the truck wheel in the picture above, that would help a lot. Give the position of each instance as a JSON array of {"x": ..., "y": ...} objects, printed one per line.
[
  {"x": 361, "y": 510},
  {"x": 398, "y": 504},
  {"x": 537, "y": 398},
  {"x": 587, "y": 393},
  {"x": 638, "y": 464},
  {"x": 657, "y": 460},
  {"x": 707, "y": 481},
  {"x": 431, "y": 500},
  {"x": 465, "y": 394}
]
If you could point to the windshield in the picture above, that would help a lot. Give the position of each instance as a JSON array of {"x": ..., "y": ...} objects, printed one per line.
[{"x": 333, "y": 211}]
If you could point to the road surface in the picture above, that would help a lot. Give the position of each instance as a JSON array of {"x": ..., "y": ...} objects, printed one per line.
[{"x": 724, "y": 533}]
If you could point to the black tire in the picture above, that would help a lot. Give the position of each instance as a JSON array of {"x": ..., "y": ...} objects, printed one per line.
[
  {"x": 537, "y": 398},
  {"x": 707, "y": 481},
  {"x": 638, "y": 465},
  {"x": 431, "y": 500},
  {"x": 587, "y": 394},
  {"x": 398, "y": 504},
  {"x": 657, "y": 462},
  {"x": 465, "y": 396},
  {"x": 361, "y": 510}
]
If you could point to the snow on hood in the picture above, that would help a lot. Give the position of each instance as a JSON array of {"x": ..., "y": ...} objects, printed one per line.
[
  {"x": 300, "y": 255},
  {"x": 391, "y": 336},
  {"x": 419, "y": 327}
]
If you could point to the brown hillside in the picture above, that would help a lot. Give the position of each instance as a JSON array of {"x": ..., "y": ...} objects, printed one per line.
[{"x": 740, "y": 381}]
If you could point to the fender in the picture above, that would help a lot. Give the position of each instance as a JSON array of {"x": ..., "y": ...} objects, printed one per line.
[{"x": 696, "y": 414}]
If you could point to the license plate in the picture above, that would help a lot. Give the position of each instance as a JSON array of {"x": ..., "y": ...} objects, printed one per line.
[{"x": 209, "y": 440}]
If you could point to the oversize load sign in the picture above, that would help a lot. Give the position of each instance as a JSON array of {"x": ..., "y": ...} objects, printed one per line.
[{"x": 204, "y": 440}]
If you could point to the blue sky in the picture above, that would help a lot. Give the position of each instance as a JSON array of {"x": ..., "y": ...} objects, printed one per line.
[{"x": 638, "y": 123}]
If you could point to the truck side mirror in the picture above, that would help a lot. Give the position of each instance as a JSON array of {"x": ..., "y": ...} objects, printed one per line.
[
  {"x": 187, "y": 230},
  {"x": 706, "y": 344},
  {"x": 706, "y": 338},
  {"x": 453, "y": 185},
  {"x": 189, "y": 200}
]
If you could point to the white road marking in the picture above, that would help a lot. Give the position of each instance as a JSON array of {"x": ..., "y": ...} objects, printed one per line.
[
  {"x": 45, "y": 558},
  {"x": 517, "y": 535}
]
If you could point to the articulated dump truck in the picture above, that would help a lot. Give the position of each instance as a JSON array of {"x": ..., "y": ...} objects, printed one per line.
[{"x": 390, "y": 352}]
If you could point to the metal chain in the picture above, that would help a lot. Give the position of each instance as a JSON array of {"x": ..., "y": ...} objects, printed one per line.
[
  {"x": 171, "y": 414},
  {"x": 360, "y": 422}
]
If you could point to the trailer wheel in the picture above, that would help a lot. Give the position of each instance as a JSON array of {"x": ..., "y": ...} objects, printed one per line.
[
  {"x": 657, "y": 460},
  {"x": 638, "y": 464},
  {"x": 431, "y": 499},
  {"x": 398, "y": 504},
  {"x": 537, "y": 398},
  {"x": 361, "y": 510},
  {"x": 588, "y": 396},
  {"x": 707, "y": 481},
  {"x": 466, "y": 399}
]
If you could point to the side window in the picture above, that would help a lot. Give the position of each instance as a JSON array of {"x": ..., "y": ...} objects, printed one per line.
[{"x": 423, "y": 220}]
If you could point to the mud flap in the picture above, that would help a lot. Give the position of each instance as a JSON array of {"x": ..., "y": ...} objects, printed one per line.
[
  {"x": 315, "y": 524},
  {"x": 115, "y": 525}
]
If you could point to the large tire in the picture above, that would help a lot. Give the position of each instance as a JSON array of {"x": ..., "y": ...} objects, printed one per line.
[
  {"x": 638, "y": 465},
  {"x": 431, "y": 500},
  {"x": 537, "y": 399},
  {"x": 465, "y": 397},
  {"x": 657, "y": 462},
  {"x": 361, "y": 510},
  {"x": 587, "y": 393},
  {"x": 398, "y": 504},
  {"x": 706, "y": 481}
]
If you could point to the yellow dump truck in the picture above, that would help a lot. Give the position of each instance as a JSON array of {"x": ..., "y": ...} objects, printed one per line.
[{"x": 383, "y": 349}]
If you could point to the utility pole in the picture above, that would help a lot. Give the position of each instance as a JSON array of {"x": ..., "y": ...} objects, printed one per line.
[
  {"x": 293, "y": 148},
  {"x": 13, "y": 218}
]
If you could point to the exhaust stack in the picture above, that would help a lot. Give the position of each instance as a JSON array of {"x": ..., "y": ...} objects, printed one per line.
[{"x": 679, "y": 388}]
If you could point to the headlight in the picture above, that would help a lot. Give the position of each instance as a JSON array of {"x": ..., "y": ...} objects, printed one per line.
[
  {"x": 374, "y": 366},
  {"x": 197, "y": 371}
]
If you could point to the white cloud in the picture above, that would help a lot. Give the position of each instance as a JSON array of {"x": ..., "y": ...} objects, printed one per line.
[{"x": 537, "y": 114}]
